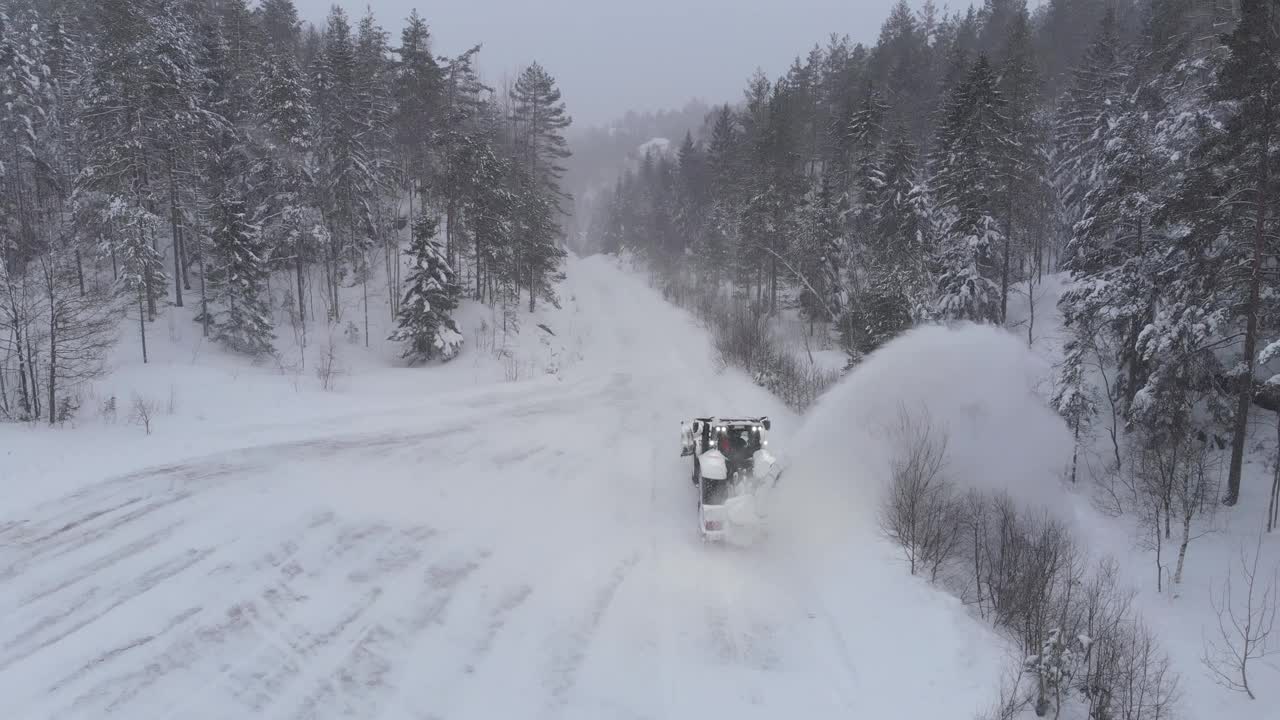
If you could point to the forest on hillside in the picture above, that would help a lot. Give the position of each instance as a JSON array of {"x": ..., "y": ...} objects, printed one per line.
[
  {"x": 223, "y": 157},
  {"x": 942, "y": 173}
]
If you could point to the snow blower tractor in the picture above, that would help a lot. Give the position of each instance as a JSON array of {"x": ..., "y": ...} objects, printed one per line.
[{"x": 734, "y": 473}]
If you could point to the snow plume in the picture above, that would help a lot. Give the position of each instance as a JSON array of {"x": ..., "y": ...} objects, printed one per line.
[{"x": 976, "y": 385}]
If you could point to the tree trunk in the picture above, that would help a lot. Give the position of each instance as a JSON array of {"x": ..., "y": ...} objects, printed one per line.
[
  {"x": 1182, "y": 548},
  {"x": 1075, "y": 449},
  {"x": 80, "y": 272},
  {"x": 479, "y": 270},
  {"x": 1159, "y": 547},
  {"x": 532, "y": 293},
  {"x": 204, "y": 298},
  {"x": 1273, "y": 508},
  {"x": 4, "y": 396},
  {"x": 773, "y": 284},
  {"x": 1031, "y": 312},
  {"x": 1245, "y": 399},
  {"x": 297, "y": 257},
  {"x": 53, "y": 348},
  {"x": 1004, "y": 272},
  {"x": 148, "y": 284},
  {"x": 142, "y": 326},
  {"x": 35, "y": 377},
  {"x": 24, "y": 394},
  {"x": 177, "y": 237}
]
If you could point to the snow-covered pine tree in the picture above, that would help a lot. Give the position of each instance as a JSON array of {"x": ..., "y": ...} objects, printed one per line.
[
  {"x": 865, "y": 132},
  {"x": 889, "y": 297},
  {"x": 236, "y": 267},
  {"x": 283, "y": 168},
  {"x": 142, "y": 106},
  {"x": 693, "y": 194},
  {"x": 281, "y": 28},
  {"x": 465, "y": 126},
  {"x": 1085, "y": 112},
  {"x": 715, "y": 263},
  {"x": 1023, "y": 179},
  {"x": 540, "y": 120},
  {"x": 817, "y": 253},
  {"x": 971, "y": 146},
  {"x": 1113, "y": 248},
  {"x": 1237, "y": 187},
  {"x": 1073, "y": 396},
  {"x": 346, "y": 182},
  {"x": 425, "y": 322},
  {"x": 140, "y": 264},
  {"x": 418, "y": 93},
  {"x": 538, "y": 234}
]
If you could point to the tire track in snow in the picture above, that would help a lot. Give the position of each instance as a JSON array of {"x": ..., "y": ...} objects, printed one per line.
[
  {"x": 567, "y": 664},
  {"x": 88, "y": 571},
  {"x": 239, "y": 631},
  {"x": 363, "y": 675},
  {"x": 92, "y": 537},
  {"x": 116, "y": 652},
  {"x": 146, "y": 582},
  {"x": 287, "y": 649},
  {"x": 510, "y": 601}
]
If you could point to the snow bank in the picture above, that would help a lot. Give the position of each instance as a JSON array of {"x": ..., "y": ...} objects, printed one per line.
[{"x": 977, "y": 384}]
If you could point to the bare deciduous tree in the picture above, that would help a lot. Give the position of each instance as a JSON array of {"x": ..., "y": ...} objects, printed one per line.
[
  {"x": 1169, "y": 478},
  {"x": 328, "y": 368},
  {"x": 143, "y": 410},
  {"x": 1244, "y": 628}
]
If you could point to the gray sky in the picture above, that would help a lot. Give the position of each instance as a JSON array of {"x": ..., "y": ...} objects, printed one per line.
[{"x": 610, "y": 56}]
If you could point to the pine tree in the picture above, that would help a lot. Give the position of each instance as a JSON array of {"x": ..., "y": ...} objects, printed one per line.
[
  {"x": 282, "y": 171},
  {"x": 970, "y": 149},
  {"x": 346, "y": 181},
  {"x": 1086, "y": 111},
  {"x": 141, "y": 267},
  {"x": 540, "y": 119},
  {"x": 466, "y": 126},
  {"x": 1023, "y": 172},
  {"x": 425, "y": 323},
  {"x": 418, "y": 94},
  {"x": 1244, "y": 161},
  {"x": 236, "y": 268},
  {"x": 281, "y": 29},
  {"x": 142, "y": 106}
]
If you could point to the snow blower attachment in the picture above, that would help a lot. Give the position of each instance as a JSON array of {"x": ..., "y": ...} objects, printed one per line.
[{"x": 734, "y": 473}]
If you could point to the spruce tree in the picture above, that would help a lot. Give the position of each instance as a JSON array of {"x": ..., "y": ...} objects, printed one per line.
[{"x": 425, "y": 323}]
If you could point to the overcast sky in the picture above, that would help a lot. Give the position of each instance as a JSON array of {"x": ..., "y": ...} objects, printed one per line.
[{"x": 611, "y": 56}]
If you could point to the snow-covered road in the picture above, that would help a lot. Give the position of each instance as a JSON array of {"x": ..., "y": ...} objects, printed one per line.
[{"x": 523, "y": 550}]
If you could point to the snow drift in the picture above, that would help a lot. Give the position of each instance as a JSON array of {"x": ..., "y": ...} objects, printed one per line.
[{"x": 977, "y": 385}]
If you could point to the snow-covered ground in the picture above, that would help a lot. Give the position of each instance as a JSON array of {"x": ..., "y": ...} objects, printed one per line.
[
  {"x": 446, "y": 542},
  {"x": 513, "y": 534}
]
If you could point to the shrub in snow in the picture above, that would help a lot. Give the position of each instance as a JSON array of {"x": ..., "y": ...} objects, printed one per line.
[
  {"x": 920, "y": 512},
  {"x": 425, "y": 324},
  {"x": 1054, "y": 667},
  {"x": 1079, "y": 636}
]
